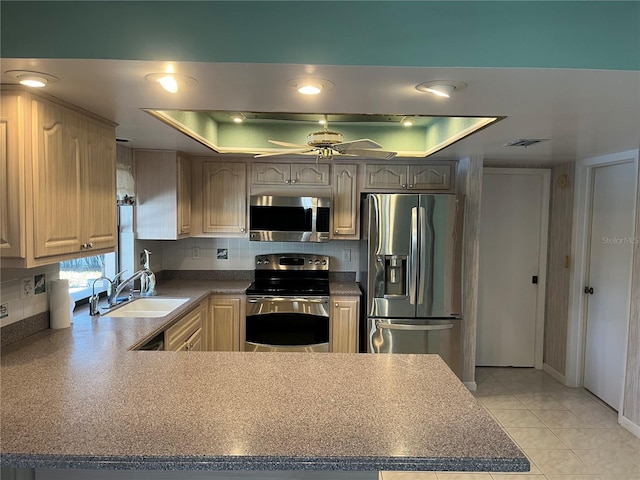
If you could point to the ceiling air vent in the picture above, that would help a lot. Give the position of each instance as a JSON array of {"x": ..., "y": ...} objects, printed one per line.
[{"x": 525, "y": 142}]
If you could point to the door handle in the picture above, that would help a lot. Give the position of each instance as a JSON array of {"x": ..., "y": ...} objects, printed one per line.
[
  {"x": 588, "y": 290},
  {"x": 404, "y": 326}
]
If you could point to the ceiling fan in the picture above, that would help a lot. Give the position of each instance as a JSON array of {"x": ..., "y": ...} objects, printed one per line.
[{"x": 326, "y": 144}]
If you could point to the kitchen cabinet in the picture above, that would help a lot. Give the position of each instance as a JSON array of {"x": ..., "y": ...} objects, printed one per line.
[
  {"x": 226, "y": 315},
  {"x": 345, "y": 313},
  {"x": 163, "y": 191},
  {"x": 344, "y": 202},
  {"x": 187, "y": 333},
  {"x": 58, "y": 166},
  {"x": 220, "y": 199},
  {"x": 299, "y": 174},
  {"x": 409, "y": 177}
]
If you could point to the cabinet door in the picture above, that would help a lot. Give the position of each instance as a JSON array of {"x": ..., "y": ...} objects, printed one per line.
[
  {"x": 223, "y": 332},
  {"x": 345, "y": 202},
  {"x": 184, "y": 195},
  {"x": 57, "y": 180},
  {"x": 430, "y": 177},
  {"x": 344, "y": 324},
  {"x": 392, "y": 177},
  {"x": 184, "y": 329},
  {"x": 99, "y": 174},
  {"x": 309, "y": 174},
  {"x": 271, "y": 174},
  {"x": 11, "y": 178},
  {"x": 225, "y": 198}
]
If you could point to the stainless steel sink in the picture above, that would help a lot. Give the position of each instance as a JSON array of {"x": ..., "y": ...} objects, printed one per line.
[{"x": 147, "y": 307}]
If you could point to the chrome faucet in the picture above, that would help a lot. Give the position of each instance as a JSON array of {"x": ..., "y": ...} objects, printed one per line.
[
  {"x": 147, "y": 281},
  {"x": 115, "y": 288}
]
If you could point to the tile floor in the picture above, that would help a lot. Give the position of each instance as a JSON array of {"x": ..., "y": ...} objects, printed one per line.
[{"x": 567, "y": 433}]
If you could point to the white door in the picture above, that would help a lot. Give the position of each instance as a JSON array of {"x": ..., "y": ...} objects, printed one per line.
[
  {"x": 513, "y": 244},
  {"x": 609, "y": 275}
]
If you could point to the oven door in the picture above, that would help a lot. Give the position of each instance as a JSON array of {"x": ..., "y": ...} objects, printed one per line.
[{"x": 287, "y": 324}]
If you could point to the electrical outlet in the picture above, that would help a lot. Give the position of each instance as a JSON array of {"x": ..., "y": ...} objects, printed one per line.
[
  {"x": 26, "y": 287},
  {"x": 195, "y": 252},
  {"x": 346, "y": 255},
  {"x": 4, "y": 310}
]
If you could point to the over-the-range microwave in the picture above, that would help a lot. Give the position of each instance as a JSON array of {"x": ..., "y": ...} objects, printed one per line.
[{"x": 275, "y": 218}]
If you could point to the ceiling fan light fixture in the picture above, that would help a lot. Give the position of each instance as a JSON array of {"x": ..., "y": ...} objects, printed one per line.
[
  {"x": 32, "y": 79},
  {"x": 441, "y": 88},
  {"x": 310, "y": 86},
  {"x": 171, "y": 82}
]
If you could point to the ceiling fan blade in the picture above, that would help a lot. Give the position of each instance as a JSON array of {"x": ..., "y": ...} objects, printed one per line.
[
  {"x": 384, "y": 154},
  {"x": 360, "y": 144},
  {"x": 284, "y": 152},
  {"x": 287, "y": 144}
]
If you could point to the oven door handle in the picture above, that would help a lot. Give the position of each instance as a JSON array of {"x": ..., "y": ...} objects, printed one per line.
[{"x": 288, "y": 299}]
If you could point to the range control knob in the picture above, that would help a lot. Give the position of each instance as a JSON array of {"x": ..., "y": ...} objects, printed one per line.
[
  {"x": 259, "y": 262},
  {"x": 266, "y": 262},
  {"x": 324, "y": 262},
  {"x": 317, "y": 262}
]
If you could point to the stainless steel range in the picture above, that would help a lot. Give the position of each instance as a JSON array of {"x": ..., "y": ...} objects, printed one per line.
[{"x": 288, "y": 304}]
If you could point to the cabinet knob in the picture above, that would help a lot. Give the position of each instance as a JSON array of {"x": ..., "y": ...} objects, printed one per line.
[
  {"x": 287, "y": 181},
  {"x": 404, "y": 185},
  {"x": 337, "y": 304},
  {"x": 410, "y": 185},
  {"x": 293, "y": 181},
  {"x": 89, "y": 245},
  {"x": 336, "y": 231},
  {"x": 242, "y": 230}
]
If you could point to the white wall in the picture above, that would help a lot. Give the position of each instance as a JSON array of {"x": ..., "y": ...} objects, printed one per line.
[{"x": 179, "y": 255}]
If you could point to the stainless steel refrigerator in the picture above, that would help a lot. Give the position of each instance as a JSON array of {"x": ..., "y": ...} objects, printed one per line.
[{"x": 411, "y": 274}]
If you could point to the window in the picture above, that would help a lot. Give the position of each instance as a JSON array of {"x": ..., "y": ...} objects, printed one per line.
[{"x": 81, "y": 273}]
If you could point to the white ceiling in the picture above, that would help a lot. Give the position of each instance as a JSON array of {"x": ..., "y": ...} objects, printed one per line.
[{"x": 584, "y": 113}]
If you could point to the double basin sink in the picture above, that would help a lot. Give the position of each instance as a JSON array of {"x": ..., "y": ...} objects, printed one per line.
[{"x": 147, "y": 308}]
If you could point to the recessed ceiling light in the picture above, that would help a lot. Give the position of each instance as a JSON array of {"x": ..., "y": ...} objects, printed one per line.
[
  {"x": 238, "y": 117},
  {"x": 407, "y": 121},
  {"x": 441, "y": 88},
  {"x": 32, "y": 79},
  {"x": 310, "y": 86},
  {"x": 171, "y": 82}
]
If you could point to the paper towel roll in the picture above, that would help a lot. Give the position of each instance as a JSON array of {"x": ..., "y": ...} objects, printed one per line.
[{"x": 59, "y": 305}]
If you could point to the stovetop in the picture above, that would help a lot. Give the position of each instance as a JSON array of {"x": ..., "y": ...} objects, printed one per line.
[{"x": 291, "y": 274}]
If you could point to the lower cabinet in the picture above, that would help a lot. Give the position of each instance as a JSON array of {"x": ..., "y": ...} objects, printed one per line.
[
  {"x": 345, "y": 313},
  {"x": 187, "y": 334},
  {"x": 223, "y": 325}
]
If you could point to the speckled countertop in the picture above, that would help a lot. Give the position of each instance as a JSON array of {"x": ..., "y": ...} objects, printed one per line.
[{"x": 79, "y": 398}]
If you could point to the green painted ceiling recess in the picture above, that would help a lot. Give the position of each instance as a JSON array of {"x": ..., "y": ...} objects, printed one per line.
[
  {"x": 534, "y": 34},
  {"x": 216, "y": 130}
]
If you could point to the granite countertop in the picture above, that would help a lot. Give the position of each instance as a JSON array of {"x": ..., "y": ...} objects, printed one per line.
[{"x": 79, "y": 398}]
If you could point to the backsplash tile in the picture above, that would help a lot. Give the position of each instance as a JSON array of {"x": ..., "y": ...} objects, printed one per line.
[{"x": 20, "y": 307}]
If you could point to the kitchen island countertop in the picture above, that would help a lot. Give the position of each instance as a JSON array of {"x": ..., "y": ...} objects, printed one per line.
[{"x": 79, "y": 398}]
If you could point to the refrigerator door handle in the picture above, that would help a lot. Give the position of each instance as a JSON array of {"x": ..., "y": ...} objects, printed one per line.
[
  {"x": 413, "y": 253},
  {"x": 423, "y": 250},
  {"x": 406, "y": 326}
]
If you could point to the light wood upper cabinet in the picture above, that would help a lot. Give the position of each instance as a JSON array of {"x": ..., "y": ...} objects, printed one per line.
[
  {"x": 12, "y": 166},
  {"x": 59, "y": 167},
  {"x": 409, "y": 177},
  {"x": 224, "y": 198},
  {"x": 226, "y": 315},
  {"x": 345, "y": 314},
  {"x": 187, "y": 334},
  {"x": 345, "y": 202},
  {"x": 300, "y": 174},
  {"x": 163, "y": 194}
]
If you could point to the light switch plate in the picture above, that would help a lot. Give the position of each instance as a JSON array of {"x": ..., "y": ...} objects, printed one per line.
[{"x": 346, "y": 255}]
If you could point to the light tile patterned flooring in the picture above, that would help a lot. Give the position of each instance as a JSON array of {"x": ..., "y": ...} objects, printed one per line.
[{"x": 567, "y": 433}]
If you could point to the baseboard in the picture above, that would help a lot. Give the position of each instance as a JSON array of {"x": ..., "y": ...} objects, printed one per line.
[
  {"x": 472, "y": 386},
  {"x": 554, "y": 373},
  {"x": 629, "y": 425}
]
